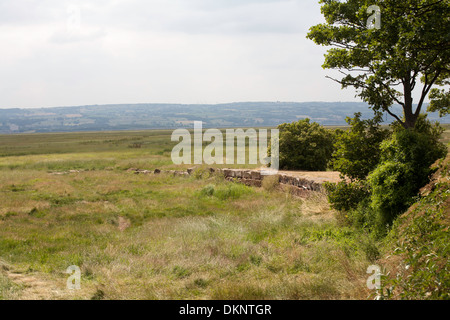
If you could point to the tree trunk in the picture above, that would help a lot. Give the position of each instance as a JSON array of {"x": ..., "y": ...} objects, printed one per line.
[{"x": 409, "y": 115}]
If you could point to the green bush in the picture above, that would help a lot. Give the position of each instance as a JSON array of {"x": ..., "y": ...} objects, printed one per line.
[
  {"x": 357, "y": 151},
  {"x": 208, "y": 190},
  {"x": 420, "y": 238},
  {"x": 418, "y": 148},
  {"x": 392, "y": 185},
  {"x": 405, "y": 168},
  {"x": 364, "y": 217},
  {"x": 226, "y": 191},
  {"x": 352, "y": 201},
  {"x": 305, "y": 146},
  {"x": 400, "y": 166},
  {"x": 345, "y": 196},
  {"x": 232, "y": 191}
]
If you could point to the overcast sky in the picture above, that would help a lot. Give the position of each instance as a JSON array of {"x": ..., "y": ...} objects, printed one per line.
[{"x": 67, "y": 53}]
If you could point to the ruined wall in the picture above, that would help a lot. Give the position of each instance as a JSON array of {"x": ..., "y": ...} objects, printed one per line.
[
  {"x": 255, "y": 178},
  {"x": 298, "y": 186}
]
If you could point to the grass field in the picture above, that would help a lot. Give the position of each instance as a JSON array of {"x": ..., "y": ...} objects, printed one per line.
[{"x": 160, "y": 236}]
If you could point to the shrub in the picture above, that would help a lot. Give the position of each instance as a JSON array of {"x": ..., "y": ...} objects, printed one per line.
[
  {"x": 420, "y": 239},
  {"x": 305, "y": 146},
  {"x": 345, "y": 196},
  {"x": 405, "y": 168},
  {"x": 393, "y": 188},
  {"x": 226, "y": 191},
  {"x": 363, "y": 216},
  {"x": 357, "y": 151},
  {"x": 418, "y": 148},
  {"x": 208, "y": 190},
  {"x": 232, "y": 191}
]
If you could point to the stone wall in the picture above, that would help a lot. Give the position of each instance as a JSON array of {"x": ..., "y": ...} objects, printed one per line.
[
  {"x": 296, "y": 185},
  {"x": 254, "y": 177}
]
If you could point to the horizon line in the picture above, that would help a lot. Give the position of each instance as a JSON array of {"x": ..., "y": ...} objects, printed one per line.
[{"x": 186, "y": 104}]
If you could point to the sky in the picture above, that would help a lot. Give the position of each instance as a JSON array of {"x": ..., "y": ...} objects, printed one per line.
[{"x": 70, "y": 53}]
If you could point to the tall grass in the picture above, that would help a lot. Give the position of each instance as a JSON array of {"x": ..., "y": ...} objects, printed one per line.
[{"x": 166, "y": 237}]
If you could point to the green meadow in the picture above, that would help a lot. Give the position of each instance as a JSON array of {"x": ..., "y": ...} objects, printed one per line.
[{"x": 69, "y": 199}]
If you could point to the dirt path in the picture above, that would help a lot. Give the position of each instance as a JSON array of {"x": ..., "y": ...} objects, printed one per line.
[
  {"x": 35, "y": 286},
  {"x": 318, "y": 176}
]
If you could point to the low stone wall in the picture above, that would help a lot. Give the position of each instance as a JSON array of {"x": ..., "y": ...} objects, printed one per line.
[{"x": 254, "y": 178}]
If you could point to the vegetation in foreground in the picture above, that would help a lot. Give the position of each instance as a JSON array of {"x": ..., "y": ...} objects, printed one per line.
[
  {"x": 166, "y": 237},
  {"x": 382, "y": 174},
  {"x": 160, "y": 236},
  {"x": 417, "y": 254}
]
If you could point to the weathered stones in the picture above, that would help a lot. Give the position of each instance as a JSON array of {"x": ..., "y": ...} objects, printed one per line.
[
  {"x": 283, "y": 179},
  {"x": 180, "y": 173},
  {"x": 252, "y": 183},
  {"x": 138, "y": 171},
  {"x": 296, "y": 185},
  {"x": 255, "y": 175}
]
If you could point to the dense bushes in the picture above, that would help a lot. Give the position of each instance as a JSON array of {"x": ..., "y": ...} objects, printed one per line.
[
  {"x": 399, "y": 168},
  {"x": 404, "y": 168},
  {"x": 357, "y": 151},
  {"x": 392, "y": 190},
  {"x": 420, "y": 238},
  {"x": 382, "y": 170},
  {"x": 418, "y": 148},
  {"x": 305, "y": 145},
  {"x": 345, "y": 196}
]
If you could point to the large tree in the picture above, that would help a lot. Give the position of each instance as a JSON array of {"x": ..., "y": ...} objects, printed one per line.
[{"x": 407, "y": 48}]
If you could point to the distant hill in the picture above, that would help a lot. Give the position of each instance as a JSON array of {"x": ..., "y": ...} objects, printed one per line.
[{"x": 172, "y": 116}]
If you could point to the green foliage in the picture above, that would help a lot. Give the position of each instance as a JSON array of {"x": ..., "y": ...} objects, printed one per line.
[
  {"x": 392, "y": 187},
  {"x": 184, "y": 244},
  {"x": 364, "y": 217},
  {"x": 305, "y": 146},
  {"x": 418, "y": 148},
  {"x": 227, "y": 191},
  {"x": 357, "y": 151},
  {"x": 410, "y": 46},
  {"x": 421, "y": 239},
  {"x": 404, "y": 169},
  {"x": 399, "y": 168},
  {"x": 345, "y": 196},
  {"x": 208, "y": 190},
  {"x": 439, "y": 99}
]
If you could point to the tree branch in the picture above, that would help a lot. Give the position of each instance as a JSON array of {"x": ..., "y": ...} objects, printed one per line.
[
  {"x": 425, "y": 91},
  {"x": 394, "y": 115}
]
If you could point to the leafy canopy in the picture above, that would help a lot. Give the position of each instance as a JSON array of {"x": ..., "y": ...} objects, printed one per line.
[
  {"x": 410, "y": 49},
  {"x": 357, "y": 151},
  {"x": 305, "y": 146}
]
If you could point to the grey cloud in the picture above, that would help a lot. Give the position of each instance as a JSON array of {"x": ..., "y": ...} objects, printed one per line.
[
  {"x": 157, "y": 50},
  {"x": 185, "y": 16},
  {"x": 67, "y": 37},
  {"x": 213, "y": 17}
]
